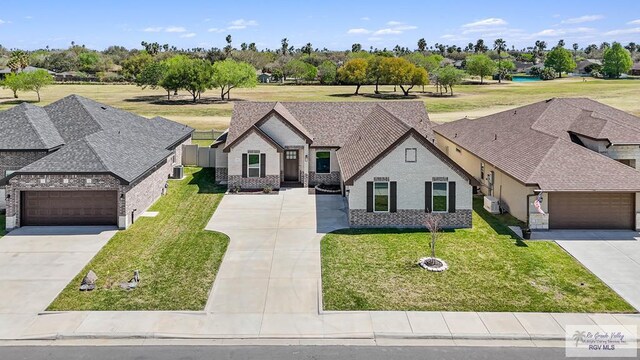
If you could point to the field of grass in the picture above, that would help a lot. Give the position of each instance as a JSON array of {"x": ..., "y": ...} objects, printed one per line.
[
  {"x": 178, "y": 260},
  {"x": 489, "y": 270},
  {"x": 470, "y": 100}
]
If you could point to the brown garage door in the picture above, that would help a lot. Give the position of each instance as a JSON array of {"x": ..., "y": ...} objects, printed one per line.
[
  {"x": 69, "y": 208},
  {"x": 591, "y": 211}
]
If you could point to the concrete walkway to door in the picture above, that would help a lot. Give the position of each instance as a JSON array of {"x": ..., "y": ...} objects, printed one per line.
[
  {"x": 612, "y": 255},
  {"x": 272, "y": 265}
]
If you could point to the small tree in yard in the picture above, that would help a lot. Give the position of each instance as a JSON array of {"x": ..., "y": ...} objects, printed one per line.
[
  {"x": 36, "y": 80},
  {"x": 14, "y": 82},
  {"x": 448, "y": 77},
  {"x": 560, "y": 60},
  {"x": 433, "y": 222}
]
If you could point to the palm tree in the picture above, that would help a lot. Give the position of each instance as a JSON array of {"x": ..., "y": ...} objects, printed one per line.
[
  {"x": 575, "y": 49},
  {"x": 579, "y": 336},
  {"x": 499, "y": 45}
]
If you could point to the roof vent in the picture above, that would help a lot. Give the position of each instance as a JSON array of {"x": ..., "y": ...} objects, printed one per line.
[
  {"x": 455, "y": 135},
  {"x": 103, "y": 107},
  {"x": 495, "y": 137},
  {"x": 549, "y": 100},
  {"x": 515, "y": 112}
]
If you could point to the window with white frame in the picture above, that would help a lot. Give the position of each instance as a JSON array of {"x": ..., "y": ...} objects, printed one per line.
[
  {"x": 440, "y": 196},
  {"x": 381, "y": 196},
  {"x": 410, "y": 155},
  {"x": 323, "y": 162},
  {"x": 253, "y": 165}
]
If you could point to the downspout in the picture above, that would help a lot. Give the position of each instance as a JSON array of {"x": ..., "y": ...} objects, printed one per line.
[{"x": 529, "y": 209}]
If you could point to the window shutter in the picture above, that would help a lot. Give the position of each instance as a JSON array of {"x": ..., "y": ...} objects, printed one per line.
[
  {"x": 244, "y": 165},
  {"x": 393, "y": 198},
  {"x": 369, "y": 196},
  {"x": 263, "y": 165},
  {"x": 427, "y": 196},
  {"x": 452, "y": 196}
]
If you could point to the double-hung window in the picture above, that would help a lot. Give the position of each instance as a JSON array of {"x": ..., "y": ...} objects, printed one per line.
[
  {"x": 439, "y": 197},
  {"x": 323, "y": 162},
  {"x": 381, "y": 196},
  {"x": 253, "y": 165}
]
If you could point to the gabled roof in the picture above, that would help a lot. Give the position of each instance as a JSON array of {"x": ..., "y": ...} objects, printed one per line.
[
  {"x": 378, "y": 134},
  {"x": 327, "y": 124},
  {"x": 221, "y": 139},
  {"x": 110, "y": 151},
  {"x": 533, "y": 144},
  {"x": 28, "y": 127}
]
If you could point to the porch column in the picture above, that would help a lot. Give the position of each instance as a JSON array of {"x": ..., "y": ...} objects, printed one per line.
[{"x": 305, "y": 165}]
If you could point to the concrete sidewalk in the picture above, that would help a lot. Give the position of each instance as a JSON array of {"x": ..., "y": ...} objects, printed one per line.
[{"x": 337, "y": 325}]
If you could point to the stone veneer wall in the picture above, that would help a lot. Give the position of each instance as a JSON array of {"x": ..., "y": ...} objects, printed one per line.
[
  {"x": 222, "y": 174},
  {"x": 141, "y": 195},
  {"x": 407, "y": 218},
  {"x": 332, "y": 178},
  {"x": 254, "y": 182},
  {"x": 56, "y": 183}
]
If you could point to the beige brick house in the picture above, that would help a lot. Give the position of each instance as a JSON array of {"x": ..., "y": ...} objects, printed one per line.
[
  {"x": 580, "y": 155},
  {"x": 79, "y": 162},
  {"x": 380, "y": 154}
]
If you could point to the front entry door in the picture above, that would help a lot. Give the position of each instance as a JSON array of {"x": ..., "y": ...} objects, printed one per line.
[{"x": 291, "y": 165}]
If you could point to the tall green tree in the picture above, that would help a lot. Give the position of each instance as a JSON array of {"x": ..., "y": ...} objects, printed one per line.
[
  {"x": 354, "y": 72},
  {"x": 36, "y": 80},
  {"x": 192, "y": 75},
  {"x": 480, "y": 65},
  {"x": 18, "y": 60},
  {"x": 616, "y": 61},
  {"x": 401, "y": 72},
  {"x": 152, "y": 76},
  {"x": 328, "y": 71},
  {"x": 134, "y": 65},
  {"x": 230, "y": 74},
  {"x": 560, "y": 60},
  {"x": 448, "y": 77},
  {"x": 499, "y": 45}
]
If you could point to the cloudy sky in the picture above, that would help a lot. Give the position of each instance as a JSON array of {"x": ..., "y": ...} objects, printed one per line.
[{"x": 30, "y": 24}]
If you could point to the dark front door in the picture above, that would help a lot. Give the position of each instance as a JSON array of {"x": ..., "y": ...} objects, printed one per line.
[
  {"x": 69, "y": 208},
  {"x": 291, "y": 165}
]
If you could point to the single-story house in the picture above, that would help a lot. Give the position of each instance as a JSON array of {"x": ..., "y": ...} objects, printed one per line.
[
  {"x": 79, "y": 162},
  {"x": 635, "y": 69},
  {"x": 264, "y": 78},
  {"x": 586, "y": 66},
  {"x": 580, "y": 157},
  {"x": 380, "y": 154},
  {"x": 28, "y": 69}
]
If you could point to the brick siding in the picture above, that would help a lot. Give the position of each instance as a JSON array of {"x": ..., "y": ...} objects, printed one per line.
[
  {"x": 141, "y": 195},
  {"x": 14, "y": 160},
  {"x": 407, "y": 218},
  {"x": 254, "y": 183},
  {"x": 332, "y": 178}
]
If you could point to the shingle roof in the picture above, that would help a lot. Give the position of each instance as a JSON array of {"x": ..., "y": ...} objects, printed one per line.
[
  {"x": 28, "y": 127},
  {"x": 110, "y": 151},
  {"x": 533, "y": 144},
  {"x": 376, "y": 133},
  {"x": 328, "y": 124},
  {"x": 96, "y": 137}
]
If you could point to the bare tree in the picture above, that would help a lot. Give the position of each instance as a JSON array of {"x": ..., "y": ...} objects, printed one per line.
[{"x": 433, "y": 223}]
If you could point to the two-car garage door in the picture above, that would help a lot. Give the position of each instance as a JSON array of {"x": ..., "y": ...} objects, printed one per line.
[
  {"x": 591, "y": 210},
  {"x": 54, "y": 208}
]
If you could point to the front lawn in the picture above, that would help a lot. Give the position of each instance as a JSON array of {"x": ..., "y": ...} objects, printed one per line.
[
  {"x": 3, "y": 230},
  {"x": 489, "y": 270},
  {"x": 177, "y": 259}
]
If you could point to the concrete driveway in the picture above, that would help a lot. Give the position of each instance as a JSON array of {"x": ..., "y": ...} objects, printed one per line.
[
  {"x": 613, "y": 256},
  {"x": 36, "y": 263},
  {"x": 272, "y": 265}
]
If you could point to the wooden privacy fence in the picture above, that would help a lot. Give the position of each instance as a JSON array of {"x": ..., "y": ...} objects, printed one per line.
[
  {"x": 194, "y": 155},
  {"x": 206, "y": 134}
]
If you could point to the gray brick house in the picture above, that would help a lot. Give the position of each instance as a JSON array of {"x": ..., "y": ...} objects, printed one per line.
[
  {"x": 79, "y": 162},
  {"x": 381, "y": 154}
]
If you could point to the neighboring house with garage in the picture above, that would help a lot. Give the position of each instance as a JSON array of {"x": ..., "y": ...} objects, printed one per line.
[
  {"x": 79, "y": 162},
  {"x": 379, "y": 154},
  {"x": 581, "y": 155}
]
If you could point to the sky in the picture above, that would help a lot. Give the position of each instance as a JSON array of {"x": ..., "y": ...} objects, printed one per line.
[{"x": 30, "y": 25}]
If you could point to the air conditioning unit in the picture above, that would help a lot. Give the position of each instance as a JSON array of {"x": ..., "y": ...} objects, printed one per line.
[
  {"x": 178, "y": 172},
  {"x": 491, "y": 204}
]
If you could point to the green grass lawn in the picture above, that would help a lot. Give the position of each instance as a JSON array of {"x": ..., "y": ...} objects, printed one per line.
[
  {"x": 202, "y": 142},
  {"x": 3, "y": 229},
  {"x": 177, "y": 259},
  {"x": 489, "y": 270},
  {"x": 469, "y": 100}
]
